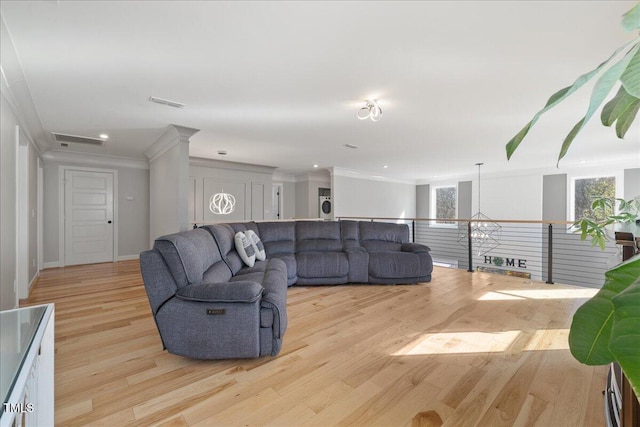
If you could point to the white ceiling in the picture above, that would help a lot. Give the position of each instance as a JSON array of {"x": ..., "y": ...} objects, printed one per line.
[{"x": 279, "y": 83}]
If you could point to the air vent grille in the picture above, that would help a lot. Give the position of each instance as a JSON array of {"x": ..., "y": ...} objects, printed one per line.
[
  {"x": 75, "y": 139},
  {"x": 166, "y": 102}
]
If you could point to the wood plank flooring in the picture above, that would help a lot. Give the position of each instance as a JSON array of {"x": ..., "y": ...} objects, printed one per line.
[{"x": 463, "y": 350}]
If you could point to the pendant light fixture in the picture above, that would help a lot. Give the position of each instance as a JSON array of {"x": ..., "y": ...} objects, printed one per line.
[
  {"x": 222, "y": 203},
  {"x": 485, "y": 233},
  {"x": 371, "y": 110}
]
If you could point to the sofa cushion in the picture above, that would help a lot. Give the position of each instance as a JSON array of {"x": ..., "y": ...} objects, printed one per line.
[
  {"x": 188, "y": 254},
  {"x": 383, "y": 236},
  {"x": 224, "y": 237},
  {"x": 244, "y": 247},
  {"x": 278, "y": 237},
  {"x": 350, "y": 234},
  {"x": 322, "y": 264},
  {"x": 397, "y": 265},
  {"x": 318, "y": 236},
  {"x": 258, "y": 247}
]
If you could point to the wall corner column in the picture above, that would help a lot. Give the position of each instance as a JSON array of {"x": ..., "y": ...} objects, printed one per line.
[{"x": 169, "y": 182}]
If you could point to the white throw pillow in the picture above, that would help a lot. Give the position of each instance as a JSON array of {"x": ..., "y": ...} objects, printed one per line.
[
  {"x": 244, "y": 247},
  {"x": 258, "y": 247}
]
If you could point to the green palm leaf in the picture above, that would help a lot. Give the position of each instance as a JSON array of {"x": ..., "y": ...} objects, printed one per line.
[
  {"x": 557, "y": 97},
  {"x": 603, "y": 86}
]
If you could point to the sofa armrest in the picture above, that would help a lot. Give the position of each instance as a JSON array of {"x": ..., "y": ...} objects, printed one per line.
[
  {"x": 240, "y": 291},
  {"x": 416, "y": 248}
]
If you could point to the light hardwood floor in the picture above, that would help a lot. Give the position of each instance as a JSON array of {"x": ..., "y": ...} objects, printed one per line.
[{"x": 463, "y": 350}]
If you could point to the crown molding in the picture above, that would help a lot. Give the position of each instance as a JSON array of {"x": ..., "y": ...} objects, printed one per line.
[
  {"x": 95, "y": 159},
  {"x": 15, "y": 90},
  {"x": 172, "y": 136},
  {"x": 243, "y": 167},
  {"x": 350, "y": 173},
  {"x": 283, "y": 177}
]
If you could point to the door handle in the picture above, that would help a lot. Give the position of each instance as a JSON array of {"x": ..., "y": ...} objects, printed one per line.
[{"x": 108, "y": 222}]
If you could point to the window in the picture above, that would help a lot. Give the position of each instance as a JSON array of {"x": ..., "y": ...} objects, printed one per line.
[
  {"x": 444, "y": 202},
  {"x": 585, "y": 190}
]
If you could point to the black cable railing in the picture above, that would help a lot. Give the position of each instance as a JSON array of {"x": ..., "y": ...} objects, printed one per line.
[{"x": 538, "y": 250}]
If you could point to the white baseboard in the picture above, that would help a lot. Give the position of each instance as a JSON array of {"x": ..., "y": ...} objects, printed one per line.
[
  {"x": 128, "y": 257},
  {"x": 33, "y": 280},
  {"x": 54, "y": 264}
]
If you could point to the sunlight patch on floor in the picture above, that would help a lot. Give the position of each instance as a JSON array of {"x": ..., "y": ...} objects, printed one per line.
[
  {"x": 518, "y": 294},
  {"x": 459, "y": 342},
  {"x": 485, "y": 342}
]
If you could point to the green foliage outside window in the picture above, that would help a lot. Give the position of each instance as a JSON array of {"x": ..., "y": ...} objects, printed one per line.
[
  {"x": 446, "y": 198},
  {"x": 587, "y": 190}
]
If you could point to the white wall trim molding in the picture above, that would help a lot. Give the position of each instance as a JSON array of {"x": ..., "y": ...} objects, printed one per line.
[
  {"x": 338, "y": 171},
  {"x": 243, "y": 167},
  {"x": 323, "y": 177},
  {"x": 283, "y": 177},
  {"x": 128, "y": 257},
  {"x": 18, "y": 93},
  {"x": 61, "y": 220},
  {"x": 170, "y": 138},
  {"x": 52, "y": 264},
  {"x": 95, "y": 159}
]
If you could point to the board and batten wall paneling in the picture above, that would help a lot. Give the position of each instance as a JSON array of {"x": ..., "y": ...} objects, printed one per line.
[{"x": 249, "y": 184}]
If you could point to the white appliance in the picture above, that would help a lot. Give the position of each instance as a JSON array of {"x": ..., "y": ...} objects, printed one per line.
[{"x": 324, "y": 207}]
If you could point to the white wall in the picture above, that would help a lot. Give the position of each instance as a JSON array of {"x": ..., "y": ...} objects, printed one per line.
[
  {"x": 359, "y": 196},
  {"x": 509, "y": 197},
  {"x": 8, "y": 147}
]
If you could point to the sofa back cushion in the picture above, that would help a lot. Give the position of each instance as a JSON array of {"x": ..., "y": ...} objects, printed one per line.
[
  {"x": 318, "y": 236},
  {"x": 279, "y": 238},
  {"x": 224, "y": 236},
  {"x": 189, "y": 255},
  {"x": 350, "y": 233},
  {"x": 383, "y": 236}
]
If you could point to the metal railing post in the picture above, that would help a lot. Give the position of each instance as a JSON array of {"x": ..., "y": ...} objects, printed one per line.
[
  {"x": 550, "y": 256},
  {"x": 470, "y": 270}
]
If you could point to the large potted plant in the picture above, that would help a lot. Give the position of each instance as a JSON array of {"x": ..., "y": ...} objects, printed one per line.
[{"x": 606, "y": 328}]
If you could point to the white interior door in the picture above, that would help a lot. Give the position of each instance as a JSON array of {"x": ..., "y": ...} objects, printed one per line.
[{"x": 88, "y": 217}]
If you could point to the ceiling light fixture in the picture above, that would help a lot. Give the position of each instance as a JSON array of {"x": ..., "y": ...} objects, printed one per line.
[
  {"x": 165, "y": 102},
  {"x": 103, "y": 136},
  {"x": 371, "y": 110},
  {"x": 485, "y": 232},
  {"x": 222, "y": 203},
  {"x": 315, "y": 166}
]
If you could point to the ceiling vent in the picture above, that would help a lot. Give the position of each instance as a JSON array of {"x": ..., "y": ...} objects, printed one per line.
[
  {"x": 165, "y": 102},
  {"x": 75, "y": 139}
]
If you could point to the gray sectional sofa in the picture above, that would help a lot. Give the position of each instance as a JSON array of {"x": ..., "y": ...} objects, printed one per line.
[{"x": 208, "y": 304}]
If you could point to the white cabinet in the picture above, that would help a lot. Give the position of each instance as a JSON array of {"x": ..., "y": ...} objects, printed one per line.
[{"x": 26, "y": 371}]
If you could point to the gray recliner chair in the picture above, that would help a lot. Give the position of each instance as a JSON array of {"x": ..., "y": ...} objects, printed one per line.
[{"x": 203, "y": 309}]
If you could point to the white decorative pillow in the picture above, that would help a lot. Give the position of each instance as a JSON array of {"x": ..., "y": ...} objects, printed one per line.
[
  {"x": 258, "y": 247},
  {"x": 244, "y": 248}
]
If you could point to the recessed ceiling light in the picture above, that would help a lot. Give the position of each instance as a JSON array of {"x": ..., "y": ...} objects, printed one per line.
[
  {"x": 103, "y": 136},
  {"x": 385, "y": 166},
  {"x": 351, "y": 146},
  {"x": 165, "y": 102},
  {"x": 315, "y": 166}
]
